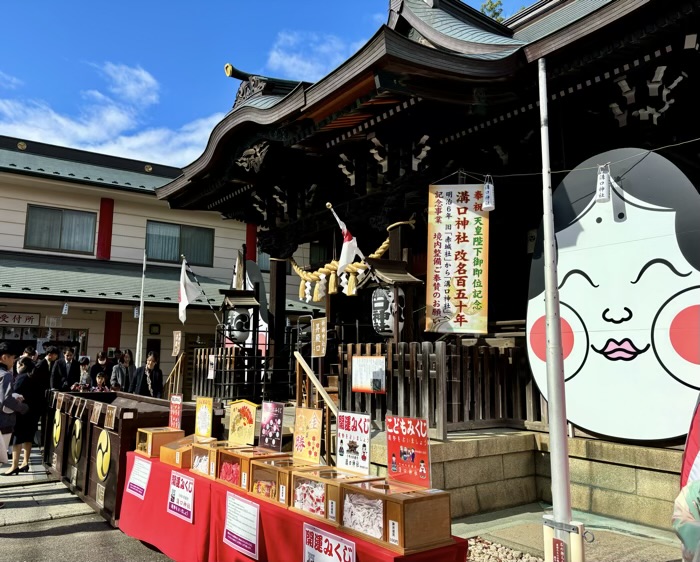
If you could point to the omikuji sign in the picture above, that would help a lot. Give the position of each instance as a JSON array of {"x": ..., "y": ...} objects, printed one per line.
[{"x": 458, "y": 250}]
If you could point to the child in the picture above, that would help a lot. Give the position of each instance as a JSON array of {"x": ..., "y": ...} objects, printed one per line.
[
  {"x": 85, "y": 380},
  {"x": 101, "y": 386}
]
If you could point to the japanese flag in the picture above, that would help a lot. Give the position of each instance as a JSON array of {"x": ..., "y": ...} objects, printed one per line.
[
  {"x": 188, "y": 292},
  {"x": 350, "y": 248}
]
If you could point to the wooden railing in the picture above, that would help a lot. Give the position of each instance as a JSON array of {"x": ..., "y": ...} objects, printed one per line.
[
  {"x": 455, "y": 387},
  {"x": 173, "y": 383}
]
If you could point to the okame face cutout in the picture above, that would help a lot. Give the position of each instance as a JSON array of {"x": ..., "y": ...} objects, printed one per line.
[{"x": 629, "y": 287}]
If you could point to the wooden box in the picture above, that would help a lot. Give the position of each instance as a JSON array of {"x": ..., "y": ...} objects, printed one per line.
[
  {"x": 205, "y": 457},
  {"x": 271, "y": 479},
  {"x": 150, "y": 439},
  {"x": 242, "y": 457},
  {"x": 316, "y": 493},
  {"x": 407, "y": 518},
  {"x": 179, "y": 453}
]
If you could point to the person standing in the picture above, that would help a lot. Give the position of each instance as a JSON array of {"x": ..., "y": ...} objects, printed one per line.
[
  {"x": 27, "y": 424},
  {"x": 30, "y": 352},
  {"x": 10, "y": 404},
  {"x": 43, "y": 367},
  {"x": 100, "y": 366},
  {"x": 148, "y": 380},
  {"x": 65, "y": 372},
  {"x": 123, "y": 372}
]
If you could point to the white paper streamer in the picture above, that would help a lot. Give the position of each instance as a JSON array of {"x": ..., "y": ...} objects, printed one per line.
[
  {"x": 489, "y": 203},
  {"x": 307, "y": 291},
  {"x": 602, "y": 191},
  {"x": 322, "y": 284}
]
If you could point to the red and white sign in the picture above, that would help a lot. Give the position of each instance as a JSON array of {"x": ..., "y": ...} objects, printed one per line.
[
  {"x": 353, "y": 442},
  {"x": 408, "y": 450},
  {"x": 181, "y": 496},
  {"x": 175, "y": 420},
  {"x": 558, "y": 550},
  {"x": 322, "y": 546}
]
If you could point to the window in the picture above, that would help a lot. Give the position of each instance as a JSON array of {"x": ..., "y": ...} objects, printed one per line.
[
  {"x": 264, "y": 262},
  {"x": 166, "y": 242},
  {"x": 317, "y": 253},
  {"x": 49, "y": 228}
]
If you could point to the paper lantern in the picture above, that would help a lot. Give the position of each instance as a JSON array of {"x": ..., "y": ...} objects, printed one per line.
[
  {"x": 384, "y": 311},
  {"x": 238, "y": 325}
]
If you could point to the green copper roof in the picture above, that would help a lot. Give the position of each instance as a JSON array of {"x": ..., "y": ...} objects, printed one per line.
[
  {"x": 452, "y": 28},
  {"x": 558, "y": 19},
  {"x": 46, "y": 276}
]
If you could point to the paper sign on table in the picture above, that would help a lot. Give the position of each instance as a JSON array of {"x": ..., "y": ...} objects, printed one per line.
[
  {"x": 175, "y": 419},
  {"x": 242, "y": 524},
  {"x": 241, "y": 429},
  {"x": 408, "y": 450},
  {"x": 353, "y": 442},
  {"x": 369, "y": 374},
  {"x": 204, "y": 415},
  {"x": 322, "y": 546},
  {"x": 307, "y": 434},
  {"x": 181, "y": 496},
  {"x": 271, "y": 426},
  {"x": 138, "y": 479}
]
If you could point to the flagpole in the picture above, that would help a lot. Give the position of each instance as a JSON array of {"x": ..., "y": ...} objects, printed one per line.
[{"x": 139, "y": 335}]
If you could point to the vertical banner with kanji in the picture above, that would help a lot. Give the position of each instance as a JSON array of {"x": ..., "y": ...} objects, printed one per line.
[
  {"x": 408, "y": 450},
  {"x": 307, "y": 434},
  {"x": 319, "y": 327},
  {"x": 458, "y": 259},
  {"x": 353, "y": 442},
  {"x": 271, "y": 426}
]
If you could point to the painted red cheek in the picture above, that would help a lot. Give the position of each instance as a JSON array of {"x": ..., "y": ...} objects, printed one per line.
[
  {"x": 685, "y": 334},
  {"x": 538, "y": 338}
]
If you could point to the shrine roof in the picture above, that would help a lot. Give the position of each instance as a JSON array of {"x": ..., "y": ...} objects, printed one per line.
[
  {"x": 457, "y": 28},
  {"x": 80, "y": 166},
  {"x": 557, "y": 19}
]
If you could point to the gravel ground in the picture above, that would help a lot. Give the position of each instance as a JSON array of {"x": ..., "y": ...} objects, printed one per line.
[{"x": 481, "y": 550}]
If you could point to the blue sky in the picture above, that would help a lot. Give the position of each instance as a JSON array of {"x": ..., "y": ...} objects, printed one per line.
[{"x": 145, "y": 80}]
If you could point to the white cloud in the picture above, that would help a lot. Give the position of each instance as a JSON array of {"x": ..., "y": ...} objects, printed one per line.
[
  {"x": 132, "y": 84},
  {"x": 110, "y": 123},
  {"x": 9, "y": 82},
  {"x": 299, "y": 55},
  {"x": 379, "y": 18}
]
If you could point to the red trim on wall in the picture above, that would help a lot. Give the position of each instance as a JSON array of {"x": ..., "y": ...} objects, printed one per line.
[
  {"x": 251, "y": 242},
  {"x": 104, "y": 232},
  {"x": 113, "y": 329}
]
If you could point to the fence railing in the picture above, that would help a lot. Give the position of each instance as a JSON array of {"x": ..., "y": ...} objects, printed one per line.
[{"x": 454, "y": 386}]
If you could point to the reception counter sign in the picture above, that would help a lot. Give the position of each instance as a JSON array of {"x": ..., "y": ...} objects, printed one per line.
[{"x": 458, "y": 259}]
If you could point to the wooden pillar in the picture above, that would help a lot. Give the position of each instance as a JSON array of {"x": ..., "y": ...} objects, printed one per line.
[{"x": 277, "y": 306}]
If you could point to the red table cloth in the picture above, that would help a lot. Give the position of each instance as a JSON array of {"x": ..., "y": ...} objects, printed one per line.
[
  {"x": 280, "y": 532},
  {"x": 148, "y": 520}
]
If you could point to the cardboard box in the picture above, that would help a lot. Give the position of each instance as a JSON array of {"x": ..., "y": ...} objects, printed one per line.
[
  {"x": 316, "y": 493},
  {"x": 242, "y": 457},
  {"x": 179, "y": 453},
  {"x": 407, "y": 518},
  {"x": 150, "y": 439},
  {"x": 271, "y": 479}
]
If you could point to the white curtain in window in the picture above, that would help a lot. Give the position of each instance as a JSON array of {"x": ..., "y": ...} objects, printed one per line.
[
  {"x": 43, "y": 228},
  {"x": 78, "y": 231},
  {"x": 163, "y": 241},
  {"x": 198, "y": 245}
]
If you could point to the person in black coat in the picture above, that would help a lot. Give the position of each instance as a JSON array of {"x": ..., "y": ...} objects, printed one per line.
[
  {"x": 11, "y": 403},
  {"x": 43, "y": 367},
  {"x": 101, "y": 366},
  {"x": 27, "y": 424},
  {"x": 65, "y": 372},
  {"x": 148, "y": 380}
]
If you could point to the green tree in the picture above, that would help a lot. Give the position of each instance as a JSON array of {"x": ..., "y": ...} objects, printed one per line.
[{"x": 493, "y": 9}]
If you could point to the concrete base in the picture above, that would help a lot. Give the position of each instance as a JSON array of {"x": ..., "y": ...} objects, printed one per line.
[{"x": 488, "y": 470}]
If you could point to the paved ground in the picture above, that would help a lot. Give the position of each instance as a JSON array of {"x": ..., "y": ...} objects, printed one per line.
[
  {"x": 83, "y": 538},
  {"x": 614, "y": 540}
]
